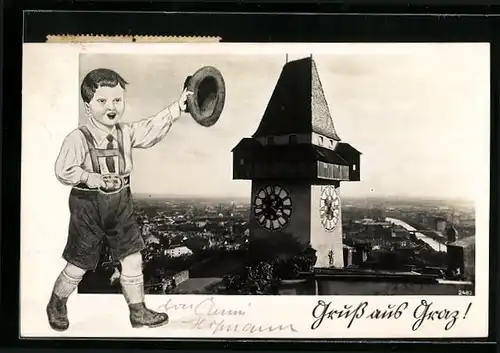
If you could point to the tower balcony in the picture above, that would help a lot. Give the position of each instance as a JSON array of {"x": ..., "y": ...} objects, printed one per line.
[
  {"x": 319, "y": 165},
  {"x": 313, "y": 171},
  {"x": 253, "y": 160}
]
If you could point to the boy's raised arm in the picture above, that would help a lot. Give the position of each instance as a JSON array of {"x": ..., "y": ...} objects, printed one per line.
[
  {"x": 68, "y": 164},
  {"x": 148, "y": 132}
]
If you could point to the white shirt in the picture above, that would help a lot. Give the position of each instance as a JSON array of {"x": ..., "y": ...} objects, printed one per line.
[{"x": 74, "y": 163}]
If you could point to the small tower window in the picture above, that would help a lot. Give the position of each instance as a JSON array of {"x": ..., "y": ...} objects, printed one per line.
[
  {"x": 331, "y": 143},
  {"x": 270, "y": 140},
  {"x": 292, "y": 139},
  {"x": 320, "y": 140},
  {"x": 354, "y": 167},
  {"x": 242, "y": 161}
]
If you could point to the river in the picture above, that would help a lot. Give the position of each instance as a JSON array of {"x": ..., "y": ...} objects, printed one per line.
[{"x": 433, "y": 243}]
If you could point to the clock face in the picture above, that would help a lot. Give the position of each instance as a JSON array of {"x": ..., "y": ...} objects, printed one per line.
[
  {"x": 272, "y": 207},
  {"x": 329, "y": 208}
]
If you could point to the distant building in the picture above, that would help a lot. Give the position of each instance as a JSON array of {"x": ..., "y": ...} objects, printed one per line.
[
  {"x": 233, "y": 246},
  {"x": 440, "y": 225},
  {"x": 201, "y": 224},
  {"x": 151, "y": 239},
  {"x": 172, "y": 281},
  {"x": 181, "y": 277},
  {"x": 348, "y": 255},
  {"x": 461, "y": 258},
  {"x": 178, "y": 251},
  {"x": 424, "y": 220}
]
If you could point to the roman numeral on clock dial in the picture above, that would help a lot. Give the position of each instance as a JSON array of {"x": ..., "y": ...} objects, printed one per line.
[{"x": 272, "y": 207}]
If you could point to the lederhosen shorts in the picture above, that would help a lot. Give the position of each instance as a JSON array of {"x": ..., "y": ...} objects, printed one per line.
[{"x": 101, "y": 217}]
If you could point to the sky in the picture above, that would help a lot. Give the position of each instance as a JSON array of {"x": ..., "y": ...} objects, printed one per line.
[{"x": 413, "y": 116}]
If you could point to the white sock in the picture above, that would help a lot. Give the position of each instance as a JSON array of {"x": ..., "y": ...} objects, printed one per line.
[
  {"x": 65, "y": 284},
  {"x": 133, "y": 288}
]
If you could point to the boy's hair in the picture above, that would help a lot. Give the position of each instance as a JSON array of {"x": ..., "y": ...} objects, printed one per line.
[{"x": 100, "y": 78}]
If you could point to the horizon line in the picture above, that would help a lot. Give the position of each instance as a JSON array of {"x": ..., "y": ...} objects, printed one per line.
[{"x": 420, "y": 198}]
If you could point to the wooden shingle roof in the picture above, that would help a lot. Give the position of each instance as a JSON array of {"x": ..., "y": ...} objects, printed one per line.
[{"x": 298, "y": 104}]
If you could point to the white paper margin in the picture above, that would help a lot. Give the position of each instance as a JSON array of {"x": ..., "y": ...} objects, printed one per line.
[{"x": 50, "y": 111}]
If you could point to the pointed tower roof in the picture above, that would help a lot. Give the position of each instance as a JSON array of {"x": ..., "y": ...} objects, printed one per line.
[{"x": 298, "y": 104}]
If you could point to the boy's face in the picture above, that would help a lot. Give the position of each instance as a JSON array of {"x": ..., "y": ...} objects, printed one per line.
[{"x": 107, "y": 105}]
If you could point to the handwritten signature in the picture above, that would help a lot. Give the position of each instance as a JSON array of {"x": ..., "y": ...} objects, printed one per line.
[
  {"x": 222, "y": 326},
  {"x": 211, "y": 316},
  {"x": 207, "y": 307}
]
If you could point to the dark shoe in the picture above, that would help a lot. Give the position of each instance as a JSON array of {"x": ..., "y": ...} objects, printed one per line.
[
  {"x": 141, "y": 316},
  {"x": 57, "y": 313}
]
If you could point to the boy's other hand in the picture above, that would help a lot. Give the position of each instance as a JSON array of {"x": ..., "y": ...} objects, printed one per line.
[
  {"x": 95, "y": 181},
  {"x": 183, "y": 99}
]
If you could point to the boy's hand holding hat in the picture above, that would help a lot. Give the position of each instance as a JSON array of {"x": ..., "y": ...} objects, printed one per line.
[{"x": 183, "y": 99}]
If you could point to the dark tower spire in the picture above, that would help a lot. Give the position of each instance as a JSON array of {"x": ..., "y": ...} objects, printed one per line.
[{"x": 298, "y": 104}]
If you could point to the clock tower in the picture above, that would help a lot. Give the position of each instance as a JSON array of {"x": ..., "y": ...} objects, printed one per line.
[{"x": 296, "y": 162}]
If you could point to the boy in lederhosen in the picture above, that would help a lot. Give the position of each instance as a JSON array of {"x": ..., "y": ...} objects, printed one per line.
[{"x": 96, "y": 161}]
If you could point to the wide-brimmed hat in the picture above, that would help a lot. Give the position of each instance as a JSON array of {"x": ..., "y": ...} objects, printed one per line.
[{"x": 209, "y": 94}]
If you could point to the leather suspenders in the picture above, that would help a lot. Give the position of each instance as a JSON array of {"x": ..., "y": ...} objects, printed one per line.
[
  {"x": 96, "y": 153},
  {"x": 92, "y": 150},
  {"x": 121, "y": 152}
]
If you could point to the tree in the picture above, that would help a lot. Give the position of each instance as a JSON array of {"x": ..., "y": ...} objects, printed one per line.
[
  {"x": 280, "y": 245},
  {"x": 268, "y": 262}
]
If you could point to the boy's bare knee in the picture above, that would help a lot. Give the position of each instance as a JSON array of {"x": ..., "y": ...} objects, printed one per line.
[
  {"x": 74, "y": 271},
  {"x": 132, "y": 264}
]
